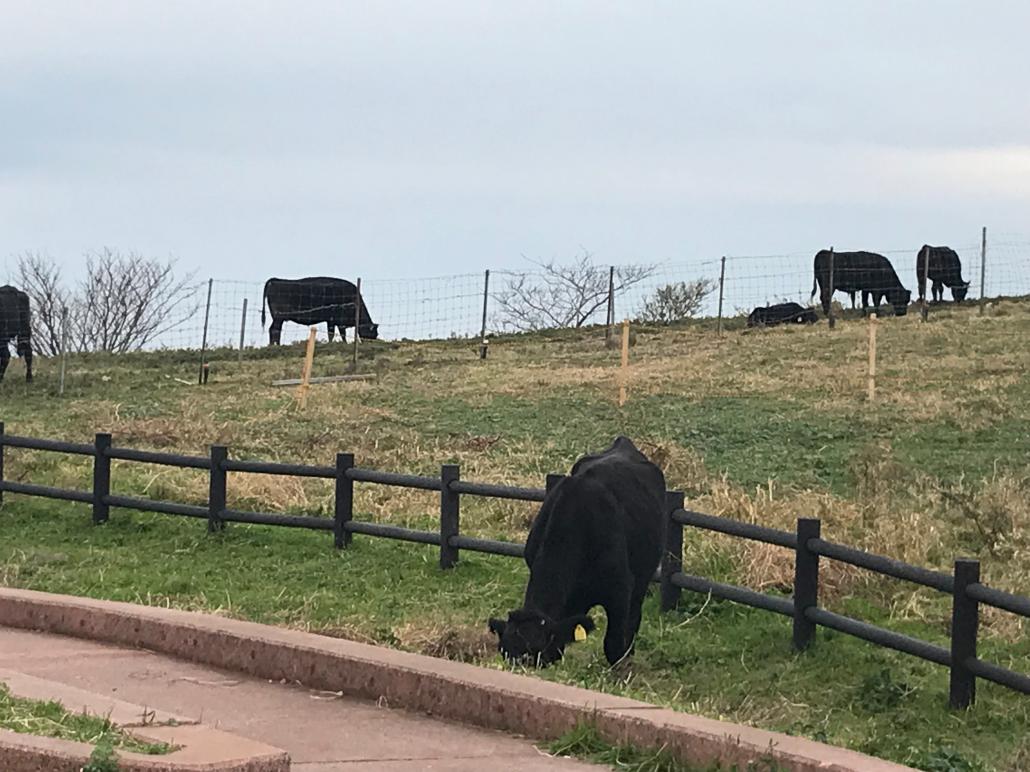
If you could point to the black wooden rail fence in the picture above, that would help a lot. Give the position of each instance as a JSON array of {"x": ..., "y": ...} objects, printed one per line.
[{"x": 964, "y": 585}]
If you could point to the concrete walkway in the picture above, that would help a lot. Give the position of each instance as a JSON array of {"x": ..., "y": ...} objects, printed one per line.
[{"x": 322, "y": 732}]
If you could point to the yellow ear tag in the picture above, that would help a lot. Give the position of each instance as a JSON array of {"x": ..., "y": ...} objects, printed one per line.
[{"x": 580, "y": 633}]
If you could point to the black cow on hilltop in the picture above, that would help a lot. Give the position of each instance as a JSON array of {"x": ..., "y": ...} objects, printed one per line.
[
  {"x": 314, "y": 300},
  {"x": 597, "y": 541},
  {"x": 781, "y": 313},
  {"x": 16, "y": 325},
  {"x": 943, "y": 266},
  {"x": 865, "y": 272}
]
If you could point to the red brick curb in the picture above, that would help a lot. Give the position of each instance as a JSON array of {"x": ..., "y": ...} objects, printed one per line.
[{"x": 464, "y": 693}]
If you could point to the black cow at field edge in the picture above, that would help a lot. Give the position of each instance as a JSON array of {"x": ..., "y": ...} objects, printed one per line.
[
  {"x": 314, "y": 300},
  {"x": 781, "y": 313},
  {"x": 865, "y": 272},
  {"x": 16, "y": 325},
  {"x": 597, "y": 541},
  {"x": 943, "y": 266}
]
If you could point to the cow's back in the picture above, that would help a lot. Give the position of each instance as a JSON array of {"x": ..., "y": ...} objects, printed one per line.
[
  {"x": 616, "y": 497},
  {"x": 309, "y": 294}
]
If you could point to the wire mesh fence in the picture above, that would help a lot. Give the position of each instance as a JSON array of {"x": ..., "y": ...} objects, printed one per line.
[{"x": 235, "y": 313}]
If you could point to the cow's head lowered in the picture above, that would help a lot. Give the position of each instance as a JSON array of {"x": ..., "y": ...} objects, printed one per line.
[
  {"x": 368, "y": 331},
  {"x": 958, "y": 291},
  {"x": 899, "y": 298},
  {"x": 532, "y": 638}
]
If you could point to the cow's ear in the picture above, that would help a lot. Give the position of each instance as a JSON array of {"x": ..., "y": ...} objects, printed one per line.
[
  {"x": 497, "y": 627},
  {"x": 574, "y": 629}
]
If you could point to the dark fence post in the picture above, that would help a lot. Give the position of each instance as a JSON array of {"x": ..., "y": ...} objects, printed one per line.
[
  {"x": 343, "y": 511},
  {"x": 450, "y": 515},
  {"x": 483, "y": 345},
  {"x": 1, "y": 461},
  {"x": 216, "y": 491},
  {"x": 101, "y": 478},
  {"x": 831, "y": 318},
  {"x": 965, "y": 622},
  {"x": 672, "y": 556},
  {"x": 806, "y": 582}
]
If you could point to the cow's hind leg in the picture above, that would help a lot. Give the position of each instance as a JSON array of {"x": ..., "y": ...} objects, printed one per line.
[
  {"x": 619, "y": 610},
  {"x": 275, "y": 332},
  {"x": 28, "y": 364},
  {"x": 5, "y": 358},
  {"x": 329, "y": 329}
]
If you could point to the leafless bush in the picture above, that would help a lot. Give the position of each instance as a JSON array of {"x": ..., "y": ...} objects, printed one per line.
[
  {"x": 676, "y": 302},
  {"x": 122, "y": 303},
  {"x": 562, "y": 296},
  {"x": 40, "y": 277}
]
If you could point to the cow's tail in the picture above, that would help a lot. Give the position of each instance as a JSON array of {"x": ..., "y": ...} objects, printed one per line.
[
  {"x": 264, "y": 300},
  {"x": 815, "y": 285}
]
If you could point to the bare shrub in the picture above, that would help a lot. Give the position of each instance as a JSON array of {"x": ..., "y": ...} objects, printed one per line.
[
  {"x": 127, "y": 301},
  {"x": 676, "y": 302},
  {"x": 562, "y": 296},
  {"x": 40, "y": 278},
  {"x": 123, "y": 302}
]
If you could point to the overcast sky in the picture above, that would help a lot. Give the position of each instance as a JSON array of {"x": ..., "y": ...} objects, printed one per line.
[{"x": 392, "y": 139}]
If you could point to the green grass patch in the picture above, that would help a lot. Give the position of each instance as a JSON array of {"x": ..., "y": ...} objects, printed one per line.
[
  {"x": 585, "y": 742},
  {"x": 757, "y": 425},
  {"x": 51, "y": 719}
]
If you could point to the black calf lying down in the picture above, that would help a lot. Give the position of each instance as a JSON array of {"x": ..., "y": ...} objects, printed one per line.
[
  {"x": 791, "y": 313},
  {"x": 596, "y": 542}
]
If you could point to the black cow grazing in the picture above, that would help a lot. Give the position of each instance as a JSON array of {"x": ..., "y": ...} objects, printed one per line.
[
  {"x": 943, "y": 266},
  {"x": 865, "y": 272},
  {"x": 781, "y": 313},
  {"x": 597, "y": 541},
  {"x": 314, "y": 300},
  {"x": 16, "y": 325}
]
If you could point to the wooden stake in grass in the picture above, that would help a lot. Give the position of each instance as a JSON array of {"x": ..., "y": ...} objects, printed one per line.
[
  {"x": 625, "y": 362},
  {"x": 872, "y": 357},
  {"x": 305, "y": 375}
]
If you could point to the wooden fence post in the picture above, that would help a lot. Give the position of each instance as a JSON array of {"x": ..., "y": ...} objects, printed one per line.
[
  {"x": 965, "y": 622},
  {"x": 872, "y": 357},
  {"x": 305, "y": 373},
  {"x": 216, "y": 489},
  {"x": 806, "y": 582},
  {"x": 101, "y": 478},
  {"x": 450, "y": 515},
  {"x": 672, "y": 556},
  {"x": 343, "y": 507}
]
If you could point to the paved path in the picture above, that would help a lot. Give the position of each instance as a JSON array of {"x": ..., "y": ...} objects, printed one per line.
[{"x": 322, "y": 732}]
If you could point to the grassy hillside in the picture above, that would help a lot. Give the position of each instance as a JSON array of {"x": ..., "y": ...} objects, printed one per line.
[{"x": 763, "y": 425}]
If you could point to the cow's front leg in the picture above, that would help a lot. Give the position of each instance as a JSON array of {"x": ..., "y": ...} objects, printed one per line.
[
  {"x": 28, "y": 365},
  {"x": 5, "y": 357}
]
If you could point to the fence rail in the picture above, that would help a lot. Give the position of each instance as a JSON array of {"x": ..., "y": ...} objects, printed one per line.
[{"x": 964, "y": 585}]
